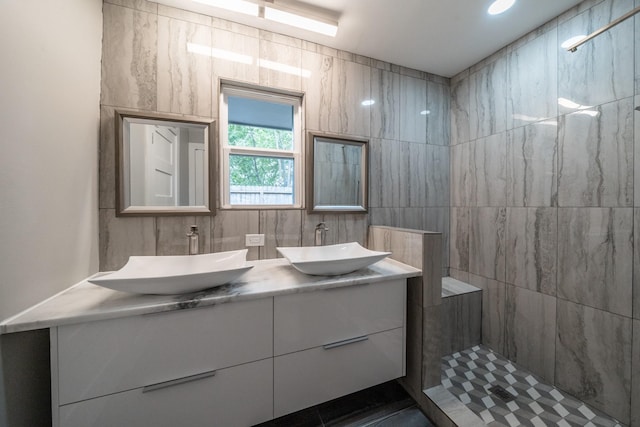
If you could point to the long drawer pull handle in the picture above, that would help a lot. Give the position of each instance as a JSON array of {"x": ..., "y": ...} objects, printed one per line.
[
  {"x": 183, "y": 380},
  {"x": 345, "y": 342},
  {"x": 346, "y": 287}
]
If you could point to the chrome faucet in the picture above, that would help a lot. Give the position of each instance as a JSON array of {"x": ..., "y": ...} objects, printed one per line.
[
  {"x": 321, "y": 234},
  {"x": 193, "y": 240}
]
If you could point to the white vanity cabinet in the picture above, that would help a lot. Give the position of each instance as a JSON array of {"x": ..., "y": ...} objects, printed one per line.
[
  {"x": 237, "y": 363},
  {"x": 334, "y": 342},
  {"x": 167, "y": 369}
]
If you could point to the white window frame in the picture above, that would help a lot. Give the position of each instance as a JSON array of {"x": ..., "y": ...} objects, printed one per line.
[{"x": 227, "y": 150}]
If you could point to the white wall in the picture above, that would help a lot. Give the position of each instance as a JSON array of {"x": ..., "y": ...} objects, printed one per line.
[{"x": 49, "y": 120}]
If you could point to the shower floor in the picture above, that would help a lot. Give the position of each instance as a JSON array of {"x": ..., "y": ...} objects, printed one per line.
[{"x": 469, "y": 374}]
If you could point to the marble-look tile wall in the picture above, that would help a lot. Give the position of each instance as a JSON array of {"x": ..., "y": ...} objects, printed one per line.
[
  {"x": 148, "y": 66},
  {"x": 545, "y": 149}
]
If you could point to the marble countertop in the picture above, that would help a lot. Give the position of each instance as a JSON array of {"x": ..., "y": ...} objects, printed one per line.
[{"x": 85, "y": 301}]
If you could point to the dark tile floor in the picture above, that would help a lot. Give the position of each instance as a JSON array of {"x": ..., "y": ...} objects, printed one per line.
[{"x": 386, "y": 405}]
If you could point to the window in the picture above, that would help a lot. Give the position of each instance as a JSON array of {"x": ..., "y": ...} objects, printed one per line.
[{"x": 261, "y": 148}]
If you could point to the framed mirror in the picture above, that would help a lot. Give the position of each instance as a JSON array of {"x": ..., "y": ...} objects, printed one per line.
[
  {"x": 164, "y": 165},
  {"x": 337, "y": 174}
]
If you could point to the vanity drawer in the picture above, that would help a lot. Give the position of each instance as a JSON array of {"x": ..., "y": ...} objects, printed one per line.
[
  {"x": 103, "y": 357},
  {"x": 320, "y": 374},
  {"x": 312, "y": 319},
  {"x": 238, "y": 396}
]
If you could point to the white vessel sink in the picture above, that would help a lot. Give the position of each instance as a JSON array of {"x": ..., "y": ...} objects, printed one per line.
[
  {"x": 331, "y": 260},
  {"x": 170, "y": 275}
]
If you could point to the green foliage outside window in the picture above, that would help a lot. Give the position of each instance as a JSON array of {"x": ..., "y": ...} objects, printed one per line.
[{"x": 259, "y": 170}]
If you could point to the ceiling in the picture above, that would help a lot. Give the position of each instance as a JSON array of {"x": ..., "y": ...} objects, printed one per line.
[{"x": 442, "y": 37}]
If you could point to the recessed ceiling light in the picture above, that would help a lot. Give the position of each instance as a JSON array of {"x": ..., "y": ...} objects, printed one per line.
[
  {"x": 425, "y": 112},
  {"x": 500, "y": 6},
  {"x": 571, "y": 41},
  {"x": 368, "y": 102}
]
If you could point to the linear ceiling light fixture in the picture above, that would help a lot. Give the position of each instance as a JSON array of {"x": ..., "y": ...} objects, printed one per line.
[
  {"x": 240, "y": 6},
  {"x": 596, "y": 33},
  {"x": 296, "y": 20},
  {"x": 299, "y": 18}
]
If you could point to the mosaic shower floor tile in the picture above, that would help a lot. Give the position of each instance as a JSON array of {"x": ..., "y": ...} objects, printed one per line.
[{"x": 503, "y": 394}]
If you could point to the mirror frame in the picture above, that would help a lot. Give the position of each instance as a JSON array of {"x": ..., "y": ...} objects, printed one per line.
[
  {"x": 121, "y": 208},
  {"x": 338, "y": 139}
]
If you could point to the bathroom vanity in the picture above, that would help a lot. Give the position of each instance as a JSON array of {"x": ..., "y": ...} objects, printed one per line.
[{"x": 270, "y": 343}]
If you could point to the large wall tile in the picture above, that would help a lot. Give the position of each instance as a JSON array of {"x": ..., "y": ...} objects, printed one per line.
[
  {"x": 635, "y": 375},
  {"x": 184, "y": 67},
  {"x": 413, "y": 102},
  {"x": 429, "y": 175},
  {"x": 437, "y": 112},
  {"x": 460, "y": 179},
  {"x": 228, "y": 231},
  {"x": 234, "y": 57},
  {"x": 636, "y": 149},
  {"x": 122, "y": 237},
  {"x": 437, "y": 220},
  {"x": 389, "y": 173},
  {"x": 353, "y": 228},
  {"x": 488, "y": 102},
  {"x": 418, "y": 170},
  {"x": 531, "y": 165},
  {"x": 636, "y": 264},
  {"x": 412, "y": 218},
  {"x": 107, "y": 158},
  {"x": 335, "y": 89},
  {"x": 596, "y": 156},
  {"x": 601, "y": 70},
  {"x": 460, "y": 109},
  {"x": 493, "y": 311},
  {"x": 593, "y": 357},
  {"x": 309, "y": 223},
  {"x": 461, "y": 322},
  {"x": 437, "y": 169},
  {"x": 488, "y": 172},
  {"x": 385, "y": 113},
  {"x": 459, "y": 239},
  {"x": 486, "y": 242},
  {"x": 533, "y": 81},
  {"x": 431, "y": 345},
  {"x": 342, "y": 228},
  {"x": 595, "y": 250},
  {"x": 171, "y": 234},
  {"x": 143, "y": 5},
  {"x": 530, "y": 325},
  {"x": 385, "y": 216},
  {"x": 636, "y": 20},
  {"x": 280, "y": 66},
  {"x": 531, "y": 248},
  {"x": 280, "y": 228},
  {"x": 185, "y": 15},
  {"x": 129, "y": 58},
  {"x": 463, "y": 276}
]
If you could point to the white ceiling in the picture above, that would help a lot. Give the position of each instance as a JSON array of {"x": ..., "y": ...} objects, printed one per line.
[{"x": 442, "y": 37}]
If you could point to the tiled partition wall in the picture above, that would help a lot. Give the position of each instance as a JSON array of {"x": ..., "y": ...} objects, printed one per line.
[
  {"x": 146, "y": 66},
  {"x": 419, "y": 249},
  {"x": 543, "y": 213}
]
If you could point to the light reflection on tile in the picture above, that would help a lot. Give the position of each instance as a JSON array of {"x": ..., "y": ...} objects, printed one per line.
[
  {"x": 605, "y": 64},
  {"x": 596, "y": 156}
]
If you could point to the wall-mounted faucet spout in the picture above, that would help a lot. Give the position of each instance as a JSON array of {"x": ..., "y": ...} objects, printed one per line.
[
  {"x": 321, "y": 234},
  {"x": 193, "y": 240}
]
